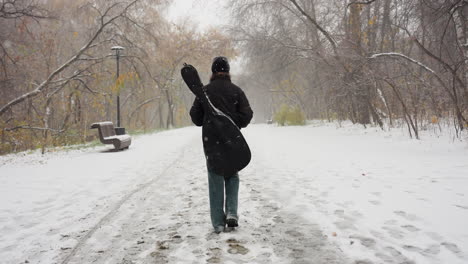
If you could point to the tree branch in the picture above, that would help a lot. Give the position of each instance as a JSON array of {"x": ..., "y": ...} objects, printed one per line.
[
  {"x": 313, "y": 21},
  {"x": 143, "y": 104},
  {"x": 33, "y": 128},
  {"x": 13, "y": 9},
  {"x": 64, "y": 66},
  {"x": 361, "y": 3}
]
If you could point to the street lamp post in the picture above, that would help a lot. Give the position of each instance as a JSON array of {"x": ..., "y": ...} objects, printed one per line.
[{"x": 118, "y": 130}]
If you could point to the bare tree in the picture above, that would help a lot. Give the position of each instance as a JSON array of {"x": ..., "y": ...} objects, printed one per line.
[
  {"x": 13, "y": 9},
  {"x": 417, "y": 71}
]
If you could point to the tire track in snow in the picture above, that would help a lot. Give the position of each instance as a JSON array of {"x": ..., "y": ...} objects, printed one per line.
[{"x": 117, "y": 206}]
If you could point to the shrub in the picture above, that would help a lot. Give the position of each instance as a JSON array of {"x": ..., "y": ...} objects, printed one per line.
[{"x": 289, "y": 116}]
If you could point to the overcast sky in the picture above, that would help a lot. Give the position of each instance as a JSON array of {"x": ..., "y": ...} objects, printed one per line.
[{"x": 204, "y": 13}]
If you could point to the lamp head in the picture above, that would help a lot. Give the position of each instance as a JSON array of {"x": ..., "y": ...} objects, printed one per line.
[{"x": 117, "y": 48}]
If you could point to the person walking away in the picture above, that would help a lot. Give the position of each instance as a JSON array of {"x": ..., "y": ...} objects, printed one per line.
[{"x": 231, "y": 100}]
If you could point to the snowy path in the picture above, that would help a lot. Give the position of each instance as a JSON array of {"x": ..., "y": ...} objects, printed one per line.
[
  {"x": 166, "y": 221},
  {"x": 311, "y": 195}
]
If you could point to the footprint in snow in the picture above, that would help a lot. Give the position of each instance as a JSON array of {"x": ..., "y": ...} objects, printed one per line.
[
  {"x": 278, "y": 219},
  {"x": 294, "y": 233},
  {"x": 410, "y": 228},
  {"x": 412, "y": 248},
  {"x": 428, "y": 252},
  {"x": 394, "y": 232},
  {"x": 377, "y": 234},
  {"x": 453, "y": 248},
  {"x": 177, "y": 239},
  {"x": 365, "y": 241},
  {"x": 409, "y": 217},
  {"x": 271, "y": 207},
  {"x": 339, "y": 213},
  {"x": 297, "y": 253},
  {"x": 235, "y": 247},
  {"x": 363, "y": 261},
  {"x": 432, "y": 250},
  {"x": 160, "y": 254},
  {"x": 344, "y": 218},
  {"x": 126, "y": 261},
  {"x": 395, "y": 256},
  {"x": 215, "y": 255}
]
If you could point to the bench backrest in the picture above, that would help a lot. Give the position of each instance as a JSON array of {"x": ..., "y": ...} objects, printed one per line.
[{"x": 105, "y": 128}]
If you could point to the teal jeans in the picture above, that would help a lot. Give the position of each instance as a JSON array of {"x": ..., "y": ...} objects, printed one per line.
[{"x": 217, "y": 186}]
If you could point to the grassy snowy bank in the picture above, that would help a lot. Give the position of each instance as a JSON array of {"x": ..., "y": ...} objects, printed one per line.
[{"x": 35, "y": 155}]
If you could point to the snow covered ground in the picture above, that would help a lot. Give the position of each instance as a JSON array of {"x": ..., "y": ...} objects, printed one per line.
[{"x": 313, "y": 194}]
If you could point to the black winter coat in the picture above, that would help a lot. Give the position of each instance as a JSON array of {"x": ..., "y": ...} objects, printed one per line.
[
  {"x": 228, "y": 98},
  {"x": 225, "y": 149}
]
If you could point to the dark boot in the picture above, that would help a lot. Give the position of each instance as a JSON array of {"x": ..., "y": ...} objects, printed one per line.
[{"x": 232, "y": 222}]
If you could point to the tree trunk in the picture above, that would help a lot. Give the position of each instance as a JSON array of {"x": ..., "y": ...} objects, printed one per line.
[
  {"x": 460, "y": 18},
  {"x": 385, "y": 26},
  {"x": 161, "y": 121},
  {"x": 355, "y": 41},
  {"x": 45, "y": 134}
]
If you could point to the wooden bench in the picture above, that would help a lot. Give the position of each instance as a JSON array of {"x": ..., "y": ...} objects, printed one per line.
[{"x": 107, "y": 135}]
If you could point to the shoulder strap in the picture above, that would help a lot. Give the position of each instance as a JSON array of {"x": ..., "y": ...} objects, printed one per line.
[{"x": 216, "y": 110}]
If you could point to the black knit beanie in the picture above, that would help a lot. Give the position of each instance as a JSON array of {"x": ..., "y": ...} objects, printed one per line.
[{"x": 220, "y": 64}]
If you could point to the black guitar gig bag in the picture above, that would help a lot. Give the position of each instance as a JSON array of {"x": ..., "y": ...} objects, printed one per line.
[{"x": 225, "y": 148}]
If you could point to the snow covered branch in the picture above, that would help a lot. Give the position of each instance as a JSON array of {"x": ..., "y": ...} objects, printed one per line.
[
  {"x": 453, "y": 95},
  {"x": 399, "y": 55}
]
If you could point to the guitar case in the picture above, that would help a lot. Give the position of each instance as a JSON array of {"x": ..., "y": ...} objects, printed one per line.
[{"x": 225, "y": 147}]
